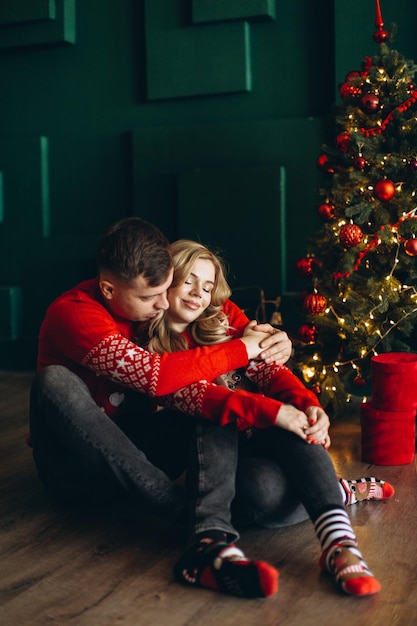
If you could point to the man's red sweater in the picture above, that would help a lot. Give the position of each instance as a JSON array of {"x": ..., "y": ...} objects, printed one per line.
[{"x": 80, "y": 333}]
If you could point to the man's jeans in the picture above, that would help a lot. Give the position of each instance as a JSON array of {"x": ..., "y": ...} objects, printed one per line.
[{"x": 83, "y": 456}]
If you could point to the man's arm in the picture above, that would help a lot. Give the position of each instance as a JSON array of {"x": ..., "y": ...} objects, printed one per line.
[
  {"x": 79, "y": 332},
  {"x": 160, "y": 374}
]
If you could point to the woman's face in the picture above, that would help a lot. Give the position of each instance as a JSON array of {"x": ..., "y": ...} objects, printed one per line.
[{"x": 188, "y": 300}]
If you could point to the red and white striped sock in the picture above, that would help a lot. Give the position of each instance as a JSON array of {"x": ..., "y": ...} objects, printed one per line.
[
  {"x": 341, "y": 556},
  {"x": 368, "y": 488}
]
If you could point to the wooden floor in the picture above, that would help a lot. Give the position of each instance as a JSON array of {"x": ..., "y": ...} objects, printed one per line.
[{"x": 91, "y": 568}]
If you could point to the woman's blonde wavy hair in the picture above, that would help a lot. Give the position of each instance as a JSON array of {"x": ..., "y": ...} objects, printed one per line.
[{"x": 212, "y": 326}]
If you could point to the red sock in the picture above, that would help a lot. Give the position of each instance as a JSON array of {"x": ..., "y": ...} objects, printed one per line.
[
  {"x": 223, "y": 567},
  {"x": 351, "y": 573},
  {"x": 368, "y": 488}
]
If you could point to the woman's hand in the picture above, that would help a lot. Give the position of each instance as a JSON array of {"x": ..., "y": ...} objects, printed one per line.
[
  {"x": 276, "y": 346},
  {"x": 312, "y": 426},
  {"x": 319, "y": 424}
]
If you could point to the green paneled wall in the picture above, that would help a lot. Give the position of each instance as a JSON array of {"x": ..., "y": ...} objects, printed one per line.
[
  {"x": 185, "y": 60},
  {"x": 236, "y": 167},
  {"x": 132, "y": 107},
  {"x": 36, "y": 22}
]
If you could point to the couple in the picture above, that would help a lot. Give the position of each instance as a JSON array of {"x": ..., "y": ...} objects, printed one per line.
[{"x": 250, "y": 457}]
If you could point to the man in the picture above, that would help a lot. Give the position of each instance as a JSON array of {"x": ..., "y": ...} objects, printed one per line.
[{"x": 93, "y": 431}]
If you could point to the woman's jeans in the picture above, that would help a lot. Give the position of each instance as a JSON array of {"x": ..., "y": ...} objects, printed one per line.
[{"x": 84, "y": 456}]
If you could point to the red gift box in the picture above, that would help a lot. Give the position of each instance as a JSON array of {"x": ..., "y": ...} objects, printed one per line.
[
  {"x": 388, "y": 437},
  {"x": 394, "y": 381}
]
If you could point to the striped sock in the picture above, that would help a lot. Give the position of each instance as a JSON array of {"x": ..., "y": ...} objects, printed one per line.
[
  {"x": 368, "y": 488},
  {"x": 341, "y": 556}
]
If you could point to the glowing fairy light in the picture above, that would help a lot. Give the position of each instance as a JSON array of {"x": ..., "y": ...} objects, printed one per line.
[{"x": 310, "y": 372}]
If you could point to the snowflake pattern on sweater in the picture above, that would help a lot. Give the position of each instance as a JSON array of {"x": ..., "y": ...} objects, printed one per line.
[{"x": 115, "y": 357}]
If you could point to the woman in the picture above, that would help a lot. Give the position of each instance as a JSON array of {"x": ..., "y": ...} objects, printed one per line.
[{"x": 282, "y": 465}]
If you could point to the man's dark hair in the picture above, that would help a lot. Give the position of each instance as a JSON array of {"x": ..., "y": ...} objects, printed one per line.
[{"x": 133, "y": 246}]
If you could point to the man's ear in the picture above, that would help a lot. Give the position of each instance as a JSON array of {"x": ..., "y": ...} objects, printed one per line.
[{"x": 106, "y": 288}]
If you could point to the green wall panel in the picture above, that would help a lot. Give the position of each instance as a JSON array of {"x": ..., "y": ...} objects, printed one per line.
[
  {"x": 219, "y": 10},
  {"x": 184, "y": 60},
  {"x": 161, "y": 156},
  {"x": 11, "y": 312},
  {"x": 12, "y": 11},
  {"x": 36, "y": 22},
  {"x": 25, "y": 199},
  {"x": 227, "y": 208}
]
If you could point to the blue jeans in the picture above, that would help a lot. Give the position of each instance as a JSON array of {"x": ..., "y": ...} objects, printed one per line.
[
  {"x": 281, "y": 480},
  {"x": 273, "y": 479},
  {"x": 83, "y": 456}
]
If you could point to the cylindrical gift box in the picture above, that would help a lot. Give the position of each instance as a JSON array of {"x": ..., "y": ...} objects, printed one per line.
[
  {"x": 394, "y": 381},
  {"x": 388, "y": 437}
]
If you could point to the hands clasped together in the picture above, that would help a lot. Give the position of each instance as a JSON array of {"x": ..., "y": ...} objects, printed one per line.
[
  {"x": 312, "y": 426},
  {"x": 265, "y": 342}
]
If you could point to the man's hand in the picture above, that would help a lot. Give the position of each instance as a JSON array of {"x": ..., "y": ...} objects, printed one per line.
[
  {"x": 276, "y": 345},
  {"x": 253, "y": 341}
]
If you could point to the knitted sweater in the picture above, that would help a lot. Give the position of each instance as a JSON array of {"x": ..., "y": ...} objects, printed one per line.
[
  {"x": 274, "y": 384},
  {"x": 80, "y": 333}
]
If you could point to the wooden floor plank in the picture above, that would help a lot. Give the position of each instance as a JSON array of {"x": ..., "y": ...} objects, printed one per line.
[{"x": 97, "y": 567}]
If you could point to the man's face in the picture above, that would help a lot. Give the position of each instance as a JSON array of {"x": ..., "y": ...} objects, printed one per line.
[{"x": 135, "y": 301}]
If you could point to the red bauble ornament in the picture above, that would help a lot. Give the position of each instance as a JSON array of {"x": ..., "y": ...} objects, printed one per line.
[
  {"x": 413, "y": 165},
  {"x": 384, "y": 190},
  {"x": 315, "y": 303},
  {"x": 342, "y": 141},
  {"x": 323, "y": 162},
  {"x": 326, "y": 211},
  {"x": 359, "y": 381},
  {"x": 305, "y": 267},
  {"x": 359, "y": 163},
  {"x": 350, "y": 92},
  {"x": 307, "y": 333},
  {"x": 410, "y": 246},
  {"x": 370, "y": 102},
  {"x": 316, "y": 389},
  {"x": 380, "y": 36},
  {"x": 351, "y": 75},
  {"x": 350, "y": 235}
]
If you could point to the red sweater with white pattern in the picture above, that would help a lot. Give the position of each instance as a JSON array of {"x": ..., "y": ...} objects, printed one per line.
[
  {"x": 275, "y": 385},
  {"x": 80, "y": 333}
]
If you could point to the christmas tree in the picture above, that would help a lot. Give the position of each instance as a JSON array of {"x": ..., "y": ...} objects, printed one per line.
[{"x": 361, "y": 265}]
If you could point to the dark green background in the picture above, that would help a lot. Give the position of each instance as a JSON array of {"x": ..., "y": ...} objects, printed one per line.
[{"x": 209, "y": 128}]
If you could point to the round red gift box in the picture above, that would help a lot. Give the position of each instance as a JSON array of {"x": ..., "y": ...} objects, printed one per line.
[
  {"x": 394, "y": 381},
  {"x": 387, "y": 437}
]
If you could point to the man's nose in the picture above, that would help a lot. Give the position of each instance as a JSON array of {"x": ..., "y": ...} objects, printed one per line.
[{"x": 162, "y": 302}]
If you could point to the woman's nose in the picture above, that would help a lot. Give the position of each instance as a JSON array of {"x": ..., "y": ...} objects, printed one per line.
[{"x": 196, "y": 290}]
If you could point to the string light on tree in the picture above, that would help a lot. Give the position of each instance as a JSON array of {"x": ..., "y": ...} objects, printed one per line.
[{"x": 361, "y": 300}]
